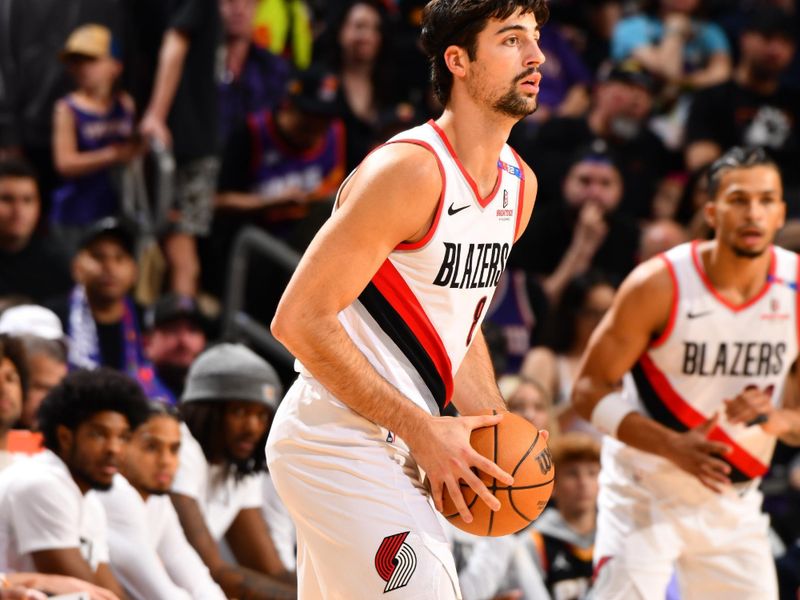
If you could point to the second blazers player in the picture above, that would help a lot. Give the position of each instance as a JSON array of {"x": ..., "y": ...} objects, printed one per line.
[
  {"x": 384, "y": 316},
  {"x": 709, "y": 331}
]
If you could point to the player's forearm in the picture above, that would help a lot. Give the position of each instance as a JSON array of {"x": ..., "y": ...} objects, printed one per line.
[
  {"x": 244, "y": 584},
  {"x": 173, "y": 52},
  {"x": 76, "y": 164},
  {"x": 475, "y": 391},
  {"x": 645, "y": 434},
  {"x": 325, "y": 349},
  {"x": 787, "y": 423}
]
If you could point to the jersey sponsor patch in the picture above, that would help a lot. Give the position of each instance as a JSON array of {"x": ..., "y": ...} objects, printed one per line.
[
  {"x": 515, "y": 171},
  {"x": 395, "y": 561}
]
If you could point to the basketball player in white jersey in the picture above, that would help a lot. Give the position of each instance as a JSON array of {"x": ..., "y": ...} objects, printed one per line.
[
  {"x": 384, "y": 314},
  {"x": 709, "y": 331}
]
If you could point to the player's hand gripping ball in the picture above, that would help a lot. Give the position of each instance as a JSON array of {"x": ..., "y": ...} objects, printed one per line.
[{"x": 519, "y": 449}]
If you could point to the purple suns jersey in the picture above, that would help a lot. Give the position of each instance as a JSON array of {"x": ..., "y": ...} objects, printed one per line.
[
  {"x": 84, "y": 199},
  {"x": 419, "y": 314}
]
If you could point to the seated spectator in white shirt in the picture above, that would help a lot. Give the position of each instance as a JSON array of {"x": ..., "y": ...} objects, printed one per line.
[
  {"x": 50, "y": 519},
  {"x": 13, "y": 384},
  {"x": 45, "y": 344},
  {"x": 150, "y": 555},
  {"x": 228, "y": 403}
]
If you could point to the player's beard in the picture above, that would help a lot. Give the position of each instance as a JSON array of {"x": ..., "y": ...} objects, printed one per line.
[{"x": 514, "y": 103}]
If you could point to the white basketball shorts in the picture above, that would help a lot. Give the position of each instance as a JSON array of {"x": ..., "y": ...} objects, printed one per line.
[{"x": 366, "y": 527}]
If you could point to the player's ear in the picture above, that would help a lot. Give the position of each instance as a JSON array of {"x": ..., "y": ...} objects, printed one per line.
[{"x": 456, "y": 59}]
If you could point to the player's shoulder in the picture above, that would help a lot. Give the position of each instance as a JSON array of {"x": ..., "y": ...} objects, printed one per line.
[{"x": 650, "y": 281}]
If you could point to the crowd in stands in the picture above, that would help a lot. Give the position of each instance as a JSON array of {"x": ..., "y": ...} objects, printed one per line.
[{"x": 140, "y": 138}]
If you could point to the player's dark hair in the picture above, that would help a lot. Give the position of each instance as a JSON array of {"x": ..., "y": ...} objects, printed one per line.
[
  {"x": 205, "y": 420},
  {"x": 16, "y": 167},
  {"x": 82, "y": 394},
  {"x": 737, "y": 157},
  {"x": 560, "y": 329},
  {"x": 13, "y": 349},
  {"x": 458, "y": 23},
  {"x": 160, "y": 409}
]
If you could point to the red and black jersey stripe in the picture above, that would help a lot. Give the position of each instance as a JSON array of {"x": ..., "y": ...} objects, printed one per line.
[
  {"x": 393, "y": 306},
  {"x": 667, "y": 407}
]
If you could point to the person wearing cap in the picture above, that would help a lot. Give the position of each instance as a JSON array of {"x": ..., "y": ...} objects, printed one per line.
[
  {"x": 754, "y": 107},
  {"x": 42, "y": 336},
  {"x": 175, "y": 334},
  {"x": 148, "y": 550},
  {"x": 584, "y": 230},
  {"x": 92, "y": 132},
  {"x": 32, "y": 265},
  {"x": 101, "y": 320},
  {"x": 230, "y": 398},
  {"x": 622, "y": 103},
  {"x": 279, "y": 161}
]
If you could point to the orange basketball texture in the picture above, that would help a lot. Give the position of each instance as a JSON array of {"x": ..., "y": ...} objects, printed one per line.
[{"x": 519, "y": 449}]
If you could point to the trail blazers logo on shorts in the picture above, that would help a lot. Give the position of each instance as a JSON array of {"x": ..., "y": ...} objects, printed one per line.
[{"x": 395, "y": 561}]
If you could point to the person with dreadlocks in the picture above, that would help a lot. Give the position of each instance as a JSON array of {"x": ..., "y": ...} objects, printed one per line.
[{"x": 227, "y": 406}]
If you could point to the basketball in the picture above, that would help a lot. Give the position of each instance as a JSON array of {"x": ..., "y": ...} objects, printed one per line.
[{"x": 519, "y": 449}]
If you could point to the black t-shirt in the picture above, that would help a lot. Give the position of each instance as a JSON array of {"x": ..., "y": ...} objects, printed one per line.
[
  {"x": 731, "y": 115},
  {"x": 643, "y": 161},
  {"x": 545, "y": 241},
  {"x": 40, "y": 271},
  {"x": 193, "y": 118}
]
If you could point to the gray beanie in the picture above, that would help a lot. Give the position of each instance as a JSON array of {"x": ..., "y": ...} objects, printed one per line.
[{"x": 232, "y": 372}]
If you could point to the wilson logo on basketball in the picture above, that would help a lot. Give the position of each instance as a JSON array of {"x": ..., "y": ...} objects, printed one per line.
[
  {"x": 395, "y": 561},
  {"x": 545, "y": 461}
]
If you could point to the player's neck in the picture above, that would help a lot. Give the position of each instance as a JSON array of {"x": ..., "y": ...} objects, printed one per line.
[
  {"x": 477, "y": 140},
  {"x": 741, "y": 277}
]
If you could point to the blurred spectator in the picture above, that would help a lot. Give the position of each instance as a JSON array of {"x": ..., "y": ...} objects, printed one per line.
[
  {"x": 100, "y": 318},
  {"x": 30, "y": 264},
  {"x": 40, "y": 332},
  {"x": 554, "y": 364},
  {"x": 516, "y": 307},
  {"x": 283, "y": 160},
  {"x": 621, "y": 105},
  {"x": 583, "y": 231},
  {"x": 753, "y": 108},
  {"x": 31, "y": 79},
  {"x": 672, "y": 41},
  {"x": 358, "y": 49},
  {"x": 149, "y": 552},
  {"x": 253, "y": 79},
  {"x": 92, "y": 133},
  {"x": 280, "y": 172},
  {"x": 285, "y": 28},
  {"x": 174, "y": 336},
  {"x": 13, "y": 385},
  {"x": 659, "y": 236},
  {"x": 182, "y": 114},
  {"x": 50, "y": 521},
  {"x": 529, "y": 399},
  {"x": 230, "y": 397},
  {"x": 563, "y": 536}
]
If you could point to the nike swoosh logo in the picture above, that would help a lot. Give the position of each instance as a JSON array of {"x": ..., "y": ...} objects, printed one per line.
[
  {"x": 691, "y": 315},
  {"x": 451, "y": 211}
]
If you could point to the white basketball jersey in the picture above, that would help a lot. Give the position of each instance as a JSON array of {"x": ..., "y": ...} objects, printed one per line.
[
  {"x": 712, "y": 350},
  {"x": 420, "y": 312}
]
